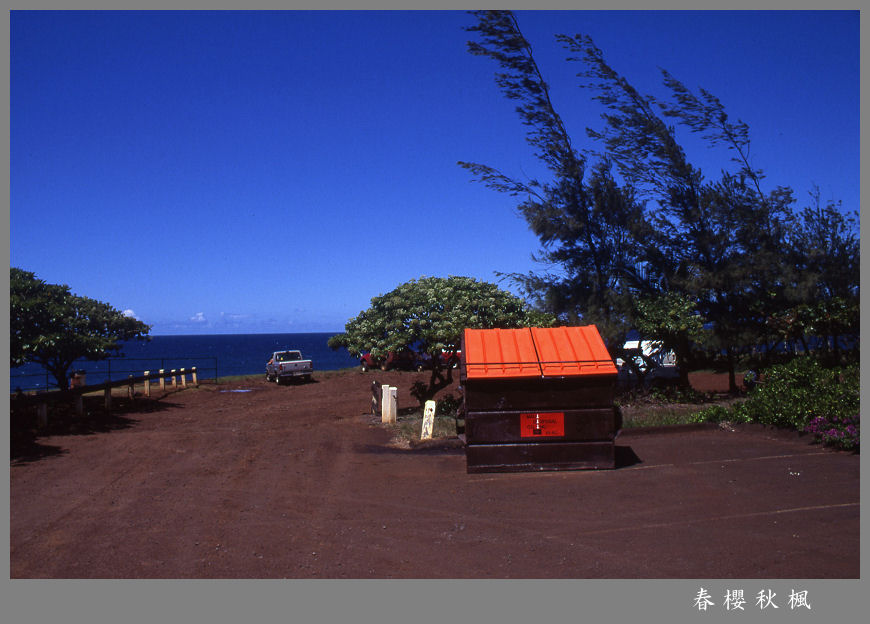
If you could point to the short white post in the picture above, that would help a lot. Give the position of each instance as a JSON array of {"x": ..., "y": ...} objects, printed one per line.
[
  {"x": 148, "y": 383},
  {"x": 428, "y": 420},
  {"x": 42, "y": 415},
  {"x": 385, "y": 403},
  {"x": 174, "y": 378},
  {"x": 183, "y": 379},
  {"x": 131, "y": 390},
  {"x": 193, "y": 374},
  {"x": 162, "y": 373},
  {"x": 388, "y": 404}
]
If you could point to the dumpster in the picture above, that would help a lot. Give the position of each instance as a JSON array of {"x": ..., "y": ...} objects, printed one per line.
[{"x": 538, "y": 399}]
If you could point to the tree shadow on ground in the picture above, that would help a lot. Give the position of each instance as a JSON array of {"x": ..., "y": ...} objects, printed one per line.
[
  {"x": 25, "y": 429},
  {"x": 25, "y": 449}
]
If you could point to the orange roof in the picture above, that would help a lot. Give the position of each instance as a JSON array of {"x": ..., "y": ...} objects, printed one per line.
[
  {"x": 536, "y": 352},
  {"x": 572, "y": 351},
  {"x": 498, "y": 353}
]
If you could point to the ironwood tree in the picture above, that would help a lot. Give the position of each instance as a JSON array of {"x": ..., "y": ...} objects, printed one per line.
[
  {"x": 644, "y": 227},
  {"x": 53, "y": 327},
  {"x": 584, "y": 220}
]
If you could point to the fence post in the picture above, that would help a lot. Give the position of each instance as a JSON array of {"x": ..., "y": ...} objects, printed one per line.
[
  {"x": 174, "y": 379},
  {"x": 162, "y": 380},
  {"x": 108, "y": 396},
  {"x": 148, "y": 383},
  {"x": 183, "y": 379},
  {"x": 80, "y": 405},
  {"x": 131, "y": 390},
  {"x": 193, "y": 374}
]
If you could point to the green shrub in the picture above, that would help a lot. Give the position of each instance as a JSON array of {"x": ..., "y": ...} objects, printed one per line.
[
  {"x": 794, "y": 394},
  {"x": 719, "y": 413},
  {"x": 803, "y": 395}
]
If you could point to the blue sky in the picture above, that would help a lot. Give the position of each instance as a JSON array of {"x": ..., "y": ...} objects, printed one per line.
[{"x": 242, "y": 172}]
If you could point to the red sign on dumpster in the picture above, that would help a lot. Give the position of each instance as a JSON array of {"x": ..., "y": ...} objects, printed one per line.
[{"x": 542, "y": 425}]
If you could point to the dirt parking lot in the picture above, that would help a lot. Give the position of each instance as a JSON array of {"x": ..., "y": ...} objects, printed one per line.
[{"x": 255, "y": 480}]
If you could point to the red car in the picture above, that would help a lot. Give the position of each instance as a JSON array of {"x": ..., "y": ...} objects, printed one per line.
[{"x": 407, "y": 360}]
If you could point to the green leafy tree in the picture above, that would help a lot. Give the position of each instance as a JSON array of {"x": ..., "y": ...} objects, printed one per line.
[
  {"x": 825, "y": 251},
  {"x": 429, "y": 315},
  {"x": 53, "y": 327},
  {"x": 673, "y": 320}
]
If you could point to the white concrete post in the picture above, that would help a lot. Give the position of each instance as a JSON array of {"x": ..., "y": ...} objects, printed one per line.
[
  {"x": 193, "y": 374},
  {"x": 162, "y": 380},
  {"x": 183, "y": 379},
  {"x": 389, "y": 406},
  {"x": 148, "y": 383},
  {"x": 174, "y": 379},
  {"x": 385, "y": 403}
]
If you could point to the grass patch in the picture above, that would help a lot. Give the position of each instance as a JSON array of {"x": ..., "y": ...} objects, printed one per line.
[
  {"x": 409, "y": 426},
  {"x": 659, "y": 415},
  {"x": 658, "y": 411}
]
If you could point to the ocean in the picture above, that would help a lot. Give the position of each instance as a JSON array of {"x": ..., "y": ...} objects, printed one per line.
[{"x": 218, "y": 355}]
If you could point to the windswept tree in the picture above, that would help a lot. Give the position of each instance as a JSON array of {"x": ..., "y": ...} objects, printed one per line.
[
  {"x": 717, "y": 242},
  {"x": 429, "y": 315},
  {"x": 644, "y": 222},
  {"x": 53, "y": 327},
  {"x": 584, "y": 220}
]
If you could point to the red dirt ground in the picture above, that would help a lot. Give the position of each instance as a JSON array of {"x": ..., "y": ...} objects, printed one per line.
[{"x": 298, "y": 482}]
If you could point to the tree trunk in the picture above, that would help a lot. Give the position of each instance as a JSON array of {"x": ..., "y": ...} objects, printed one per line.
[
  {"x": 437, "y": 382},
  {"x": 732, "y": 376},
  {"x": 61, "y": 377}
]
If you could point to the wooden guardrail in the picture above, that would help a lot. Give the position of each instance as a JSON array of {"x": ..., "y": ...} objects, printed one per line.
[{"x": 177, "y": 378}]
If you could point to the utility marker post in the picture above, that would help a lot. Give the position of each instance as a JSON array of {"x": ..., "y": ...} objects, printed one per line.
[{"x": 428, "y": 420}]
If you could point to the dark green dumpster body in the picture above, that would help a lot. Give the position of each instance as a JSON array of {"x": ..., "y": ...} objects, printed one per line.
[{"x": 538, "y": 399}]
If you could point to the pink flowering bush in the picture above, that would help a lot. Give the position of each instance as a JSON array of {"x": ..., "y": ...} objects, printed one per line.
[{"x": 840, "y": 431}]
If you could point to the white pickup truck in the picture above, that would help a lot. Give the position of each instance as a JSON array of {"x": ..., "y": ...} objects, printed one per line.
[{"x": 287, "y": 365}]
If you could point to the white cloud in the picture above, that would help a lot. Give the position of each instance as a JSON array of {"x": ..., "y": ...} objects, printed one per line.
[{"x": 199, "y": 317}]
